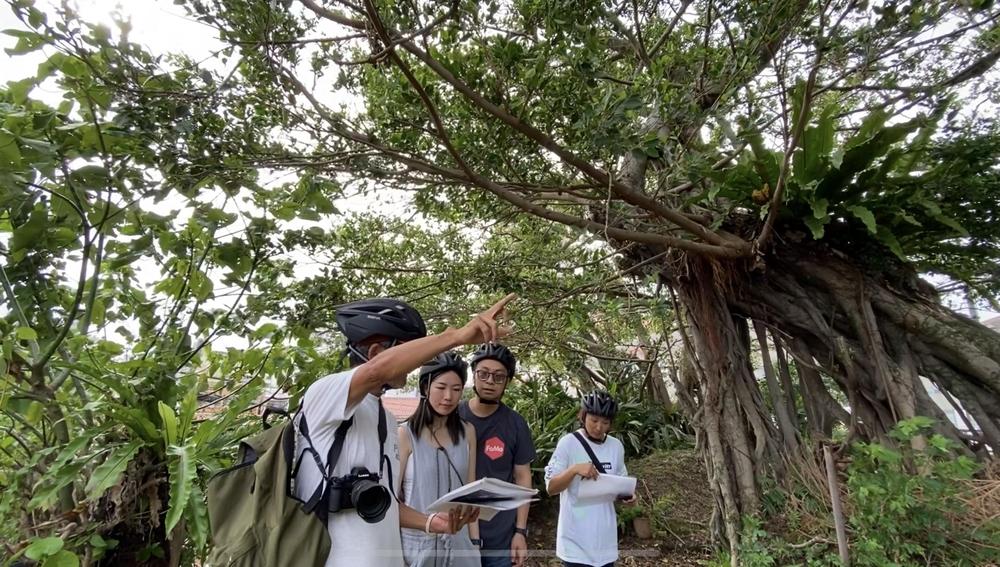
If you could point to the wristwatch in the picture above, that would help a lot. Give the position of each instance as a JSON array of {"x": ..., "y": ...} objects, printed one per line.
[
  {"x": 476, "y": 542},
  {"x": 522, "y": 531}
]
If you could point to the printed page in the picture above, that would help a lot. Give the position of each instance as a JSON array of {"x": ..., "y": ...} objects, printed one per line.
[{"x": 607, "y": 488}]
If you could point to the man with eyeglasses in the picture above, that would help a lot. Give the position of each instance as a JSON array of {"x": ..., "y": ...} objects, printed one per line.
[{"x": 505, "y": 451}]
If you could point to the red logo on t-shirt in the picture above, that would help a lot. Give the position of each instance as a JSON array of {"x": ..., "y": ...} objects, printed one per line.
[{"x": 493, "y": 448}]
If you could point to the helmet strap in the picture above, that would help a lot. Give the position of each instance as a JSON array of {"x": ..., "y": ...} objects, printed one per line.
[
  {"x": 363, "y": 356},
  {"x": 354, "y": 350},
  {"x": 482, "y": 401}
]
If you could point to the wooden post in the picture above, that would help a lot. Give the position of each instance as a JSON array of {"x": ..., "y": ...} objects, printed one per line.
[{"x": 838, "y": 512}]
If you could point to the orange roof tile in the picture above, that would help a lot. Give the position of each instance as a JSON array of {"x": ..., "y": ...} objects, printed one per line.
[{"x": 402, "y": 408}]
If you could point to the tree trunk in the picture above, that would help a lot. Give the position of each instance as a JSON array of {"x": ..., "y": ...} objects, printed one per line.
[
  {"x": 786, "y": 426},
  {"x": 875, "y": 332},
  {"x": 739, "y": 444},
  {"x": 786, "y": 382}
]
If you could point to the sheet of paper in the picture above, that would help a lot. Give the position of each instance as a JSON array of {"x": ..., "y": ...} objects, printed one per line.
[
  {"x": 606, "y": 488},
  {"x": 488, "y": 494}
]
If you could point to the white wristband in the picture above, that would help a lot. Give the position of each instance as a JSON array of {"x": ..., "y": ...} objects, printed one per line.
[{"x": 427, "y": 526}]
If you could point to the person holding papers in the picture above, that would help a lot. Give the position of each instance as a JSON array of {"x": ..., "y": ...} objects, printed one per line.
[
  {"x": 504, "y": 451},
  {"x": 587, "y": 534},
  {"x": 437, "y": 453}
]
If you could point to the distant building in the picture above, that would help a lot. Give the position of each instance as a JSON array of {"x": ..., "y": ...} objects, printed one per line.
[
  {"x": 402, "y": 408},
  {"x": 211, "y": 405}
]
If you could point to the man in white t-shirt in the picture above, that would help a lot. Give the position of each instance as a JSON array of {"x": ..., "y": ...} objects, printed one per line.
[
  {"x": 386, "y": 340},
  {"x": 587, "y": 534}
]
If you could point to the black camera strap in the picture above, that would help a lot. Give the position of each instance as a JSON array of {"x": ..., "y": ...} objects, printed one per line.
[
  {"x": 383, "y": 433},
  {"x": 321, "y": 494},
  {"x": 590, "y": 452}
]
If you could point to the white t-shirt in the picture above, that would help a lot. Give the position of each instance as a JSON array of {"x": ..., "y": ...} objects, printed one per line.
[
  {"x": 587, "y": 533},
  {"x": 353, "y": 542}
]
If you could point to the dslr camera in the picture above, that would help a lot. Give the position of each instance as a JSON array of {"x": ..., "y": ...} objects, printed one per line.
[{"x": 360, "y": 490}]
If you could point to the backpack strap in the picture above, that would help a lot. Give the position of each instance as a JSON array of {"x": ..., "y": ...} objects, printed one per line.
[
  {"x": 319, "y": 495},
  {"x": 590, "y": 452},
  {"x": 267, "y": 413}
]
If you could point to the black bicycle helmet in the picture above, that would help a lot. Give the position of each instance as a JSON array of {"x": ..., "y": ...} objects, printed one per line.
[
  {"x": 600, "y": 403},
  {"x": 497, "y": 352},
  {"x": 439, "y": 365},
  {"x": 383, "y": 317}
]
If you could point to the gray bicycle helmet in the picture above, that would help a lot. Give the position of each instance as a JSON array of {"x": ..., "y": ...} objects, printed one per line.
[
  {"x": 600, "y": 403},
  {"x": 497, "y": 352},
  {"x": 442, "y": 363}
]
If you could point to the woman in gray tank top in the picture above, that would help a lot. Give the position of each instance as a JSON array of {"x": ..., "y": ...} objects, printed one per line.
[{"x": 437, "y": 455}]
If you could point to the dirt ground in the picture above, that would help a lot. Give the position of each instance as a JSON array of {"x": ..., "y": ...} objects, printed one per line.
[{"x": 673, "y": 485}]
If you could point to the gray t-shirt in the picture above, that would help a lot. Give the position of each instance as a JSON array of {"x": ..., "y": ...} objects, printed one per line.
[{"x": 503, "y": 440}]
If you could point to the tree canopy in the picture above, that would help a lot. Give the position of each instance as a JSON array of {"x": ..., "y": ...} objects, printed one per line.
[{"x": 653, "y": 178}]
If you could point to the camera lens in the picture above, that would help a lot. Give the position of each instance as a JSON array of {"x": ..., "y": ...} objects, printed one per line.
[{"x": 370, "y": 499}]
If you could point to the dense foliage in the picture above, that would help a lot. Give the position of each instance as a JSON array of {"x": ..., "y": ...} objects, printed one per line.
[{"x": 655, "y": 179}]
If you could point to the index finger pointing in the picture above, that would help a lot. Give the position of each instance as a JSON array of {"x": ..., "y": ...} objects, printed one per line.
[{"x": 499, "y": 305}]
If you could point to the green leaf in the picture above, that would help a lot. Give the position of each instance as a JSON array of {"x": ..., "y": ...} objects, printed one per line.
[
  {"x": 27, "y": 41},
  {"x": 19, "y": 89},
  {"x": 98, "y": 312},
  {"x": 73, "y": 448},
  {"x": 816, "y": 226},
  {"x": 869, "y": 126},
  {"x": 107, "y": 474},
  {"x": 817, "y": 145},
  {"x": 935, "y": 212},
  {"x": 10, "y": 153},
  {"x": 264, "y": 330},
  {"x": 44, "y": 547},
  {"x": 198, "y": 518},
  {"x": 234, "y": 255},
  {"x": 189, "y": 406},
  {"x": 169, "y": 421},
  {"x": 797, "y": 97},
  {"x": 819, "y": 209},
  {"x": 889, "y": 239},
  {"x": 26, "y": 334},
  {"x": 866, "y": 217},
  {"x": 287, "y": 212},
  {"x": 201, "y": 285},
  {"x": 45, "y": 492},
  {"x": 63, "y": 558},
  {"x": 30, "y": 233},
  {"x": 182, "y": 470},
  {"x": 136, "y": 420},
  {"x": 90, "y": 177},
  {"x": 859, "y": 158}
]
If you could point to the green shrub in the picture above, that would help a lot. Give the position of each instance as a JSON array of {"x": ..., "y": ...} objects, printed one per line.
[
  {"x": 905, "y": 504},
  {"x": 904, "y": 507}
]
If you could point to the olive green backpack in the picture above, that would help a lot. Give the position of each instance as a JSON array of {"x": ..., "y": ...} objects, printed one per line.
[{"x": 255, "y": 520}]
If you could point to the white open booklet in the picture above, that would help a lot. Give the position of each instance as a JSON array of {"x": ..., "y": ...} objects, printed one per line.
[
  {"x": 488, "y": 494},
  {"x": 607, "y": 488}
]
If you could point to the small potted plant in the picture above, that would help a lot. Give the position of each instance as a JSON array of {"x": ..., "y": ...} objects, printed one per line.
[
  {"x": 642, "y": 525},
  {"x": 637, "y": 516}
]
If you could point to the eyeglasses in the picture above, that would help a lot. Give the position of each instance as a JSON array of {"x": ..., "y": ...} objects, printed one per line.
[{"x": 495, "y": 377}]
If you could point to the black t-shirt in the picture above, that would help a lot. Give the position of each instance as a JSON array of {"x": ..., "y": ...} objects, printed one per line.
[{"x": 502, "y": 441}]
